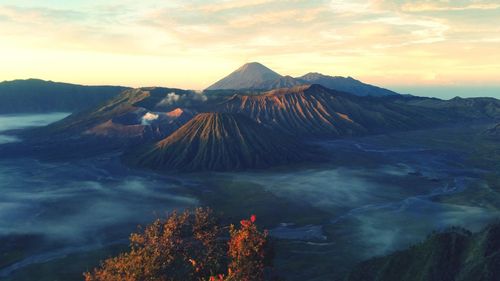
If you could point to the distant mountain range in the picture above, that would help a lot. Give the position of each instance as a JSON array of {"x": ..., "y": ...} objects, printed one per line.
[
  {"x": 34, "y": 95},
  {"x": 150, "y": 115},
  {"x": 471, "y": 108},
  {"x": 255, "y": 76},
  {"x": 454, "y": 255},
  {"x": 305, "y": 111},
  {"x": 221, "y": 142},
  {"x": 239, "y": 130}
]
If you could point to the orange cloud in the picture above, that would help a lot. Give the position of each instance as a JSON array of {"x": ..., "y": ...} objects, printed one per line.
[{"x": 188, "y": 44}]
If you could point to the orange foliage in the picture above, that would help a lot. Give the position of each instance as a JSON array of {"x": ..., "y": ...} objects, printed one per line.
[
  {"x": 247, "y": 251},
  {"x": 189, "y": 247}
]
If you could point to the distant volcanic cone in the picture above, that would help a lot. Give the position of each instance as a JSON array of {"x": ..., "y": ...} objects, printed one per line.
[
  {"x": 220, "y": 142},
  {"x": 249, "y": 76}
]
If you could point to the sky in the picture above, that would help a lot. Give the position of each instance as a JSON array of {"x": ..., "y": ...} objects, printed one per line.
[{"x": 419, "y": 47}]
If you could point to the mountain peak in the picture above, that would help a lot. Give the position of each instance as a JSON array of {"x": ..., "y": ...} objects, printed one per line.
[
  {"x": 253, "y": 66},
  {"x": 313, "y": 74},
  {"x": 248, "y": 76},
  {"x": 255, "y": 76}
]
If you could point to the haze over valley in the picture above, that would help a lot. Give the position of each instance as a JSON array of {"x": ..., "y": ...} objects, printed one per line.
[{"x": 249, "y": 140}]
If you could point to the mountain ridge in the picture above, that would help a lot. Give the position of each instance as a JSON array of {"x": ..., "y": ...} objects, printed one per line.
[
  {"x": 345, "y": 84},
  {"x": 36, "y": 95},
  {"x": 314, "y": 110},
  {"x": 251, "y": 76}
]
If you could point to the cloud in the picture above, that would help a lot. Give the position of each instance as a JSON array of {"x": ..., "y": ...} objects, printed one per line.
[
  {"x": 170, "y": 99},
  {"x": 203, "y": 40},
  {"x": 350, "y": 7},
  {"x": 57, "y": 28},
  {"x": 221, "y": 6},
  {"x": 448, "y": 6},
  {"x": 200, "y": 96},
  {"x": 418, "y": 30}
]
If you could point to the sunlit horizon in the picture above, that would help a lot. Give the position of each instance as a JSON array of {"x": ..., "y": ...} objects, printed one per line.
[{"x": 406, "y": 46}]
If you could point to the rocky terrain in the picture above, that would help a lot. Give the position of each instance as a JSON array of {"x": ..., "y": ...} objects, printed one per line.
[
  {"x": 220, "y": 141},
  {"x": 314, "y": 110}
]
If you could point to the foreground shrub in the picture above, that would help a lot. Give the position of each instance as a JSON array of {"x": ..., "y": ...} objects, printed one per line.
[
  {"x": 189, "y": 246},
  {"x": 247, "y": 251}
]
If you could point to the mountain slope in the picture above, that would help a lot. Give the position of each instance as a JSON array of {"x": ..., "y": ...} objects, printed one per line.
[
  {"x": 33, "y": 95},
  {"x": 248, "y": 76},
  {"x": 135, "y": 114},
  {"x": 282, "y": 82},
  {"x": 493, "y": 131},
  {"x": 220, "y": 141},
  {"x": 344, "y": 84},
  {"x": 454, "y": 255},
  {"x": 313, "y": 110},
  {"x": 141, "y": 124}
]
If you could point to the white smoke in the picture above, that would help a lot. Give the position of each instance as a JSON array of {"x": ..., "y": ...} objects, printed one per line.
[
  {"x": 170, "y": 99},
  {"x": 149, "y": 117},
  {"x": 189, "y": 98},
  {"x": 200, "y": 96}
]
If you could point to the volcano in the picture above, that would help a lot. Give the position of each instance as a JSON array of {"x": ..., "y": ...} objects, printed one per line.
[
  {"x": 314, "y": 110},
  {"x": 249, "y": 76},
  {"x": 257, "y": 77},
  {"x": 221, "y": 142}
]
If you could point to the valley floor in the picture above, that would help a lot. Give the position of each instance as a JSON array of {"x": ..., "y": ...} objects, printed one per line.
[{"x": 374, "y": 195}]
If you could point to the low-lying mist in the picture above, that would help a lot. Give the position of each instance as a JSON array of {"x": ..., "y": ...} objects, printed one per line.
[
  {"x": 77, "y": 206},
  {"x": 74, "y": 202},
  {"x": 376, "y": 209},
  {"x": 371, "y": 199},
  {"x": 20, "y": 121}
]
